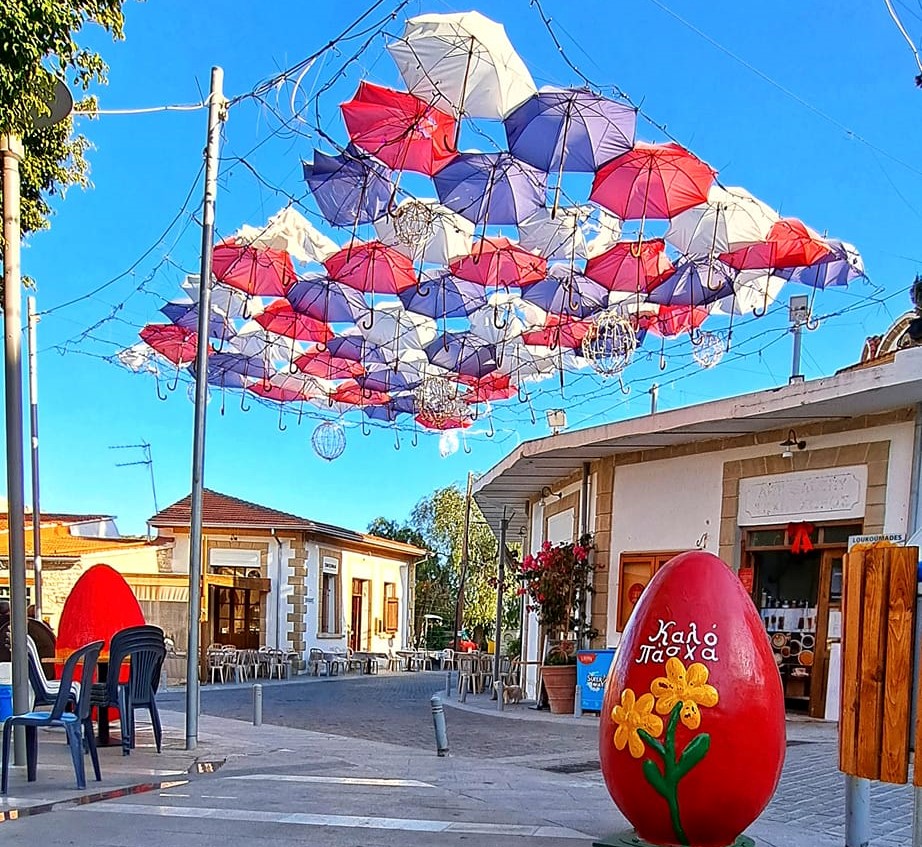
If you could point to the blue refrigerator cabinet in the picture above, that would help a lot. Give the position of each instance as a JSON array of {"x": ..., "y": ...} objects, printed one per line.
[{"x": 591, "y": 672}]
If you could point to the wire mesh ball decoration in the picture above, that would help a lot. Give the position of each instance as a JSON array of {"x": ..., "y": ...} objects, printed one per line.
[
  {"x": 709, "y": 349},
  {"x": 329, "y": 440},
  {"x": 438, "y": 400},
  {"x": 610, "y": 343},
  {"x": 413, "y": 223}
]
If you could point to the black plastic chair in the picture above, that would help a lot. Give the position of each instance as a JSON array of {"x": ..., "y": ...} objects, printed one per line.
[
  {"x": 144, "y": 648},
  {"x": 77, "y": 724}
]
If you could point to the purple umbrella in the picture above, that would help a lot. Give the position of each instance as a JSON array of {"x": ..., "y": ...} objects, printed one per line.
[
  {"x": 491, "y": 188},
  {"x": 390, "y": 411},
  {"x": 353, "y": 346},
  {"x": 236, "y": 364},
  {"x": 385, "y": 378},
  {"x": 186, "y": 315},
  {"x": 695, "y": 283},
  {"x": 350, "y": 188},
  {"x": 444, "y": 296},
  {"x": 568, "y": 293},
  {"x": 326, "y": 300},
  {"x": 842, "y": 266},
  {"x": 463, "y": 354},
  {"x": 570, "y": 129}
]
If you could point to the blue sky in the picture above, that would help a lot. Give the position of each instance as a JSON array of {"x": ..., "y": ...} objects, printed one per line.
[{"x": 830, "y": 136}]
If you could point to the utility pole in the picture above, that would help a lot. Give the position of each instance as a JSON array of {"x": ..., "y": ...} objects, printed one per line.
[
  {"x": 217, "y": 113},
  {"x": 654, "y": 394},
  {"x": 799, "y": 316},
  {"x": 33, "y": 431},
  {"x": 12, "y": 151},
  {"x": 500, "y": 579},
  {"x": 465, "y": 558}
]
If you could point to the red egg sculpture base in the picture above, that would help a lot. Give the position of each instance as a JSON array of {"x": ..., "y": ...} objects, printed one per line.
[
  {"x": 631, "y": 839},
  {"x": 692, "y": 734}
]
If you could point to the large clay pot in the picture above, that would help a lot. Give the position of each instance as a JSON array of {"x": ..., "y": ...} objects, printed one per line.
[
  {"x": 692, "y": 735},
  {"x": 560, "y": 684}
]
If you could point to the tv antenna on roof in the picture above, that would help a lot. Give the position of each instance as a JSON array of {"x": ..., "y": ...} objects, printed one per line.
[{"x": 147, "y": 460}]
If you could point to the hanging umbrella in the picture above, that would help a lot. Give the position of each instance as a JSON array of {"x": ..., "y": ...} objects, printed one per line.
[
  {"x": 175, "y": 343},
  {"x": 695, "y": 283},
  {"x": 789, "y": 244},
  {"x": 842, "y": 266},
  {"x": 184, "y": 313},
  {"x": 353, "y": 394},
  {"x": 442, "y": 424},
  {"x": 671, "y": 321},
  {"x": 442, "y": 295},
  {"x": 226, "y": 301},
  {"x": 289, "y": 231},
  {"x": 491, "y": 188},
  {"x": 652, "y": 181},
  {"x": 462, "y": 353},
  {"x": 392, "y": 410},
  {"x": 238, "y": 364},
  {"x": 372, "y": 267},
  {"x": 497, "y": 262},
  {"x": 324, "y": 300},
  {"x": 505, "y": 317},
  {"x": 350, "y": 188},
  {"x": 559, "y": 331},
  {"x": 268, "y": 347},
  {"x": 281, "y": 318},
  {"x": 253, "y": 270},
  {"x": 320, "y": 362},
  {"x": 395, "y": 330},
  {"x": 385, "y": 378},
  {"x": 753, "y": 293},
  {"x": 730, "y": 218},
  {"x": 462, "y": 63},
  {"x": 560, "y": 236},
  {"x": 566, "y": 292},
  {"x": 631, "y": 266},
  {"x": 400, "y": 129},
  {"x": 354, "y": 346},
  {"x": 570, "y": 129},
  {"x": 426, "y": 231},
  {"x": 288, "y": 388},
  {"x": 493, "y": 386}
]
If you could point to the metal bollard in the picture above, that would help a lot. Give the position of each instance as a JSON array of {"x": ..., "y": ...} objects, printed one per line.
[
  {"x": 438, "y": 720},
  {"x": 500, "y": 697},
  {"x": 257, "y": 705},
  {"x": 578, "y": 702},
  {"x": 448, "y": 683},
  {"x": 857, "y": 811}
]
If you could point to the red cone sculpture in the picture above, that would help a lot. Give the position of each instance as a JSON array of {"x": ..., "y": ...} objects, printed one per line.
[{"x": 692, "y": 732}]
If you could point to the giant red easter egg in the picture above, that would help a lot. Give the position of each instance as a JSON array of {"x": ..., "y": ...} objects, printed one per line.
[{"x": 692, "y": 726}]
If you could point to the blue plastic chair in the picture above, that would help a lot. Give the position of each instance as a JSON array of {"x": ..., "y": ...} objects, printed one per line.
[{"x": 77, "y": 724}]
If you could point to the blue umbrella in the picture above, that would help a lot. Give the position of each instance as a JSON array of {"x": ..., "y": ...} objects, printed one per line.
[
  {"x": 385, "y": 378},
  {"x": 185, "y": 314},
  {"x": 840, "y": 267},
  {"x": 350, "y": 188},
  {"x": 493, "y": 188},
  {"x": 235, "y": 365},
  {"x": 463, "y": 354},
  {"x": 326, "y": 300},
  {"x": 444, "y": 296},
  {"x": 570, "y": 129},
  {"x": 391, "y": 411},
  {"x": 569, "y": 294},
  {"x": 695, "y": 283},
  {"x": 355, "y": 348}
]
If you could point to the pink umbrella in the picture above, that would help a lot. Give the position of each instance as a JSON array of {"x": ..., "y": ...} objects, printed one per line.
[
  {"x": 498, "y": 262},
  {"x": 319, "y": 361},
  {"x": 280, "y": 317},
  {"x": 789, "y": 244},
  {"x": 353, "y": 394},
  {"x": 254, "y": 270},
  {"x": 559, "y": 331},
  {"x": 632, "y": 267},
  {"x": 372, "y": 267},
  {"x": 175, "y": 343}
]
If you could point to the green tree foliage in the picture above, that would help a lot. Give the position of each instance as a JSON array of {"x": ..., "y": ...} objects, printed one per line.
[{"x": 38, "y": 47}]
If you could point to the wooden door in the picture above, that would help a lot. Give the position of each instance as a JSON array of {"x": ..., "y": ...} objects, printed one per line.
[
  {"x": 829, "y": 599},
  {"x": 355, "y": 633}
]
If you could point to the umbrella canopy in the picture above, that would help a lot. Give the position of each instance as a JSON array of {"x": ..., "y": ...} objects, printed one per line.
[
  {"x": 353, "y": 394},
  {"x": 493, "y": 386},
  {"x": 462, "y": 353},
  {"x": 385, "y": 378},
  {"x": 400, "y": 129},
  {"x": 288, "y": 388},
  {"x": 184, "y": 313},
  {"x": 566, "y": 292},
  {"x": 671, "y": 321},
  {"x": 350, "y": 188},
  {"x": 462, "y": 63},
  {"x": 753, "y": 292},
  {"x": 226, "y": 301},
  {"x": 505, "y": 317},
  {"x": 559, "y": 331},
  {"x": 497, "y": 262},
  {"x": 426, "y": 231},
  {"x": 392, "y": 410},
  {"x": 695, "y": 283},
  {"x": 631, "y": 266},
  {"x": 253, "y": 270},
  {"x": 280, "y": 317},
  {"x": 247, "y": 367},
  {"x": 372, "y": 267},
  {"x": 320, "y": 362},
  {"x": 291, "y": 232},
  {"x": 789, "y": 244},
  {"x": 494, "y": 188},
  {"x": 842, "y": 266},
  {"x": 442, "y": 295},
  {"x": 175, "y": 343},
  {"x": 325, "y": 300},
  {"x": 558, "y": 236},
  {"x": 529, "y": 362},
  {"x": 394, "y": 330},
  {"x": 570, "y": 129},
  {"x": 443, "y": 424},
  {"x": 652, "y": 181},
  {"x": 730, "y": 218}
]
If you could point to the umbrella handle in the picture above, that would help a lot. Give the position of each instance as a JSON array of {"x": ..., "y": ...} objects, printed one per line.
[
  {"x": 523, "y": 398},
  {"x": 300, "y": 412},
  {"x": 492, "y": 430},
  {"x": 422, "y": 289},
  {"x": 243, "y": 397},
  {"x": 625, "y": 389},
  {"x": 371, "y": 319},
  {"x": 175, "y": 381},
  {"x": 415, "y": 441},
  {"x": 366, "y": 430},
  {"x": 505, "y": 322},
  {"x": 662, "y": 354},
  {"x": 282, "y": 425},
  {"x": 396, "y": 438},
  {"x": 464, "y": 445},
  {"x": 160, "y": 394}
]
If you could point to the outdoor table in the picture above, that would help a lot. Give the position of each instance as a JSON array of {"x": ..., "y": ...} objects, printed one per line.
[{"x": 368, "y": 660}]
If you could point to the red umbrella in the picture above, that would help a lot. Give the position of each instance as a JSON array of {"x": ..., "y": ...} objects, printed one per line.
[
  {"x": 176, "y": 343},
  {"x": 652, "y": 181},
  {"x": 351, "y": 393},
  {"x": 443, "y": 423},
  {"x": 287, "y": 389},
  {"x": 493, "y": 386},
  {"x": 318, "y": 361},
  {"x": 372, "y": 267},
  {"x": 280, "y": 317},
  {"x": 262, "y": 270},
  {"x": 559, "y": 331},
  {"x": 670, "y": 321},
  {"x": 789, "y": 244},
  {"x": 400, "y": 129},
  {"x": 497, "y": 261},
  {"x": 631, "y": 266}
]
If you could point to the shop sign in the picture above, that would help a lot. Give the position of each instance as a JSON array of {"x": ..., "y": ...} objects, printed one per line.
[{"x": 893, "y": 539}]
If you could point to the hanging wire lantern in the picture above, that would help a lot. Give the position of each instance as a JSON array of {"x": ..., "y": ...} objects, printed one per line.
[
  {"x": 709, "y": 349},
  {"x": 448, "y": 443},
  {"x": 413, "y": 223},
  {"x": 438, "y": 400},
  {"x": 329, "y": 440},
  {"x": 610, "y": 343}
]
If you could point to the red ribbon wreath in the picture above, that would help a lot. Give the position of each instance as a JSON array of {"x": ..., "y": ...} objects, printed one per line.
[{"x": 800, "y": 533}]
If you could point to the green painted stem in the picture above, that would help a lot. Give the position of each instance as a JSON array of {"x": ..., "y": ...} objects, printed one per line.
[{"x": 667, "y": 782}]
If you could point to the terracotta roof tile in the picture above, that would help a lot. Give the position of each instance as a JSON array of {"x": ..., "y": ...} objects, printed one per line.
[{"x": 57, "y": 542}]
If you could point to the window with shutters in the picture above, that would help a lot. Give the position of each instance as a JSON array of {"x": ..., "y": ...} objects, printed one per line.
[
  {"x": 636, "y": 570},
  {"x": 391, "y": 608}
]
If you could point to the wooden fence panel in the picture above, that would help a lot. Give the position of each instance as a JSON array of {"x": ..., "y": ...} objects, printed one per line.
[
  {"x": 871, "y": 672},
  {"x": 852, "y": 607},
  {"x": 898, "y": 674}
]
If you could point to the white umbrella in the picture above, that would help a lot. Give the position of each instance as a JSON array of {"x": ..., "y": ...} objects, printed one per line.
[
  {"x": 226, "y": 301},
  {"x": 290, "y": 231},
  {"x": 529, "y": 362},
  {"x": 608, "y": 231},
  {"x": 269, "y": 347},
  {"x": 558, "y": 237},
  {"x": 462, "y": 63},
  {"x": 754, "y": 291},
  {"x": 426, "y": 231},
  {"x": 140, "y": 358},
  {"x": 731, "y": 218},
  {"x": 395, "y": 330},
  {"x": 505, "y": 317}
]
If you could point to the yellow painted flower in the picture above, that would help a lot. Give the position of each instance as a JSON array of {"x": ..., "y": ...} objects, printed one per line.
[
  {"x": 688, "y": 687},
  {"x": 631, "y": 716}
]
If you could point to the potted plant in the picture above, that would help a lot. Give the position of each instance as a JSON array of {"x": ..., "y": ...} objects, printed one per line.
[{"x": 558, "y": 581}]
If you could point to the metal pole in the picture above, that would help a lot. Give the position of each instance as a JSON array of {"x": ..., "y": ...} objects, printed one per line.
[
  {"x": 216, "y": 114},
  {"x": 12, "y": 152},
  {"x": 915, "y": 525},
  {"x": 500, "y": 579},
  {"x": 654, "y": 393},
  {"x": 33, "y": 426},
  {"x": 796, "y": 375},
  {"x": 857, "y": 811},
  {"x": 465, "y": 559}
]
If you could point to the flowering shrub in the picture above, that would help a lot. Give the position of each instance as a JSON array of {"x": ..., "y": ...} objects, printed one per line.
[{"x": 557, "y": 581}]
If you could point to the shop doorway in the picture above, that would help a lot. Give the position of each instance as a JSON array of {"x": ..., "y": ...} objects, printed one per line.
[
  {"x": 235, "y": 617},
  {"x": 799, "y": 597},
  {"x": 360, "y": 632}
]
